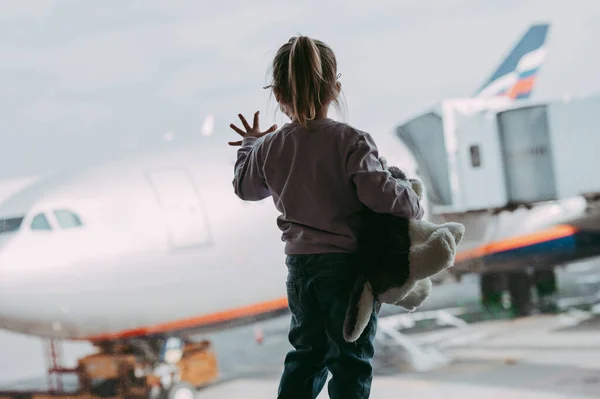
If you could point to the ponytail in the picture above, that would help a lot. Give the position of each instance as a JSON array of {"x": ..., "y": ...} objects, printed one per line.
[{"x": 305, "y": 78}]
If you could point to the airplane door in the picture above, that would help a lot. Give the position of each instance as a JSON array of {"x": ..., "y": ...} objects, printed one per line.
[
  {"x": 526, "y": 150},
  {"x": 184, "y": 215}
]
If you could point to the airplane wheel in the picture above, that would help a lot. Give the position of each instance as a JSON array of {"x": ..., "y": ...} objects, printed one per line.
[
  {"x": 492, "y": 286},
  {"x": 182, "y": 390},
  {"x": 547, "y": 288},
  {"x": 519, "y": 287}
]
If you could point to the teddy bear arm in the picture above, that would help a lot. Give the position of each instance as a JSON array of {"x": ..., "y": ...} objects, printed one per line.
[
  {"x": 419, "y": 231},
  {"x": 416, "y": 296},
  {"x": 432, "y": 256}
]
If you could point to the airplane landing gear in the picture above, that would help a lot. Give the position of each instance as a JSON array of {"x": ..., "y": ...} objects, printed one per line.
[
  {"x": 518, "y": 284},
  {"x": 519, "y": 289},
  {"x": 547, "y": 288},
  {"x": 492, "y": 286}
]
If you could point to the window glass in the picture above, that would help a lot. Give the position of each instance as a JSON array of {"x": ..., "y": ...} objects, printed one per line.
[
  {"x": 10, "y": 225},
  {"x": 475, "y": 156},
  {"x": 67, "y": 219},
  {"x": 40, "y": 222}
]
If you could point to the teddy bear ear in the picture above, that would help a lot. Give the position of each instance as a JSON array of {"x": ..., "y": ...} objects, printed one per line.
[{"x": 383, "y": 162}]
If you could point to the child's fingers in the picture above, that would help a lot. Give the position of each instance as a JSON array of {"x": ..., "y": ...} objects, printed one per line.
[
  {"x": 246, "y": 125},
  {"x": 255, "y": 125},
  {"x": 271, "y": 129},
  {"x": 237, "y": 129},
  {"x": 235, "y": 143}
]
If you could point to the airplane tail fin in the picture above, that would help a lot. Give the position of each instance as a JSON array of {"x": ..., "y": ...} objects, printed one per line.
[{"x": 516, "y": 75}]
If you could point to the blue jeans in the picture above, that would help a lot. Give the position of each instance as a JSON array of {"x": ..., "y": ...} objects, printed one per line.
[{"x": 318, "y": 290}]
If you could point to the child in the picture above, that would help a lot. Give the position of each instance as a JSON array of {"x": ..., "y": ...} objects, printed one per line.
[{"x": 321, "y": 173}]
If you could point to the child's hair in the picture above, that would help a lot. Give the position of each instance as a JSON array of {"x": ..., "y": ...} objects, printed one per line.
[{"x": 305, "y": 77}]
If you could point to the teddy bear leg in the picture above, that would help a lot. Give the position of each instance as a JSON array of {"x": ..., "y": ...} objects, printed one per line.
[
  {"x": 416, "y": 296},
  {"x": 394, "y": 294},
  {"x": 432, "y": 256},
  {"x": 358, "y": 313}
]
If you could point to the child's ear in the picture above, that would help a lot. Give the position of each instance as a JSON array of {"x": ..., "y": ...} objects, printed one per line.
[{"x": 338, "y": 86}]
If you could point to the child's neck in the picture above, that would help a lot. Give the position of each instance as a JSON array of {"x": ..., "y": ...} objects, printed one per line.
[{"x": 320, "y": 114}]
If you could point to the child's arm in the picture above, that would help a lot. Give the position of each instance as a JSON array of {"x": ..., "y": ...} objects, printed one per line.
[
  {"x": 248, "y": 182},
  {"x": 375, "y": 187}
]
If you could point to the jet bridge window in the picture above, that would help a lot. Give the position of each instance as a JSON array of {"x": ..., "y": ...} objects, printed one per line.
[
  {"x": 10, "y": 225},
  {"x": 40, "y": 222},
  {"x": 475, "y": 156},
  {"x": 67, "y": 219}
]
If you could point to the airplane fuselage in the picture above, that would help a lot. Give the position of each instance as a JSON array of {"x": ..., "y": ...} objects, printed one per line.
[
  {"x": 551, "y": 224},
  {"x": 162, "y": 238}
]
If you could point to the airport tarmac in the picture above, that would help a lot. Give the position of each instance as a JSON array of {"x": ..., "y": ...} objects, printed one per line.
[{"x": 534, "y": 357}]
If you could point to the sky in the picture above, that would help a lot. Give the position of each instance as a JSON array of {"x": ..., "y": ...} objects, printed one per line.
[{"x": 82, "y": 80}]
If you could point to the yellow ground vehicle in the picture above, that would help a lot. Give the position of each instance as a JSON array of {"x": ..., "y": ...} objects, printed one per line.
[{"x": 165, "y": 368}]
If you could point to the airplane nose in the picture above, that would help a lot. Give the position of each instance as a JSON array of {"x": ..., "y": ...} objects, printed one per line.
[{"x": 3, "y": 242}]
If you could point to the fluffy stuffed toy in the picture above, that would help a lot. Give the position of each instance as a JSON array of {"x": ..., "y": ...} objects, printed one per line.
[{"x": 398, "y": 257}]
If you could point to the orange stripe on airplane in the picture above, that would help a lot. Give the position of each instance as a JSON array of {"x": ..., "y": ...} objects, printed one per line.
[
  {"x": 553, "y": 233},
  {"x": 208, "y": 319},
  {"x": 522, "y": 86}
]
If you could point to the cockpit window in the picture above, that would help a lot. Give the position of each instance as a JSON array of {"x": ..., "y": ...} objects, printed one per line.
[
  {"x": 67, "y": 219},
  {"x": 40, "y": 222},
  {"x": 10, "y": 225}
]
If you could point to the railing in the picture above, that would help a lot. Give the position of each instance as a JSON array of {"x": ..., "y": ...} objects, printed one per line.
[{"x": 423, "y": 353}]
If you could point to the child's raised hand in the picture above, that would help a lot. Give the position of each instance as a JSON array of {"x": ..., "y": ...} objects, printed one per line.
[{"x": 250, "y": 132}]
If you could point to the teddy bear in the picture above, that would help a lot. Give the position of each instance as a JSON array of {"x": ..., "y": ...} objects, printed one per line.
[{"x": 398, "y": 256}]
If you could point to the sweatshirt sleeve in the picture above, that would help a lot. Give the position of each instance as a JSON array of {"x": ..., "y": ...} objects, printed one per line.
[
  {"x": 375, "y": 186},
  {"x": 248, "y": 181}
]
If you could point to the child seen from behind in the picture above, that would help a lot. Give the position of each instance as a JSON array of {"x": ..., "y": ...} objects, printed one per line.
[{"x": 321, "y": 173}]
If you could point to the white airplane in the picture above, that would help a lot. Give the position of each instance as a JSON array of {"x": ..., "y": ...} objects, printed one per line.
[
  {"x": 12, "y": 185},
  {"x": 148, "y": 244}
]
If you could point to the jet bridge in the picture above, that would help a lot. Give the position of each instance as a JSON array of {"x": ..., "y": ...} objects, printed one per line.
[
  {"x": 476, "y": 154},
  {"x": 521, "y": 177}
]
